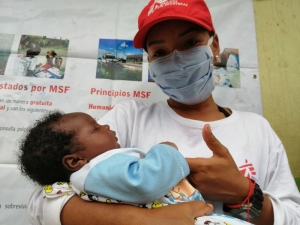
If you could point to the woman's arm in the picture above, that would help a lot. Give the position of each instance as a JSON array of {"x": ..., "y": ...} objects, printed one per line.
[{"x": 78, "y": 212}]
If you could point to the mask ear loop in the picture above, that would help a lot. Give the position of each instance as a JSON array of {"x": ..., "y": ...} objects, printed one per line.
[{"x": 210, "y": 41}]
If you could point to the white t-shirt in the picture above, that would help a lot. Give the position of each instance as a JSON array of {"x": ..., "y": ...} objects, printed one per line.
[
  {"x": 253, "y": 144},
  {"x": 32, "y": 63}
]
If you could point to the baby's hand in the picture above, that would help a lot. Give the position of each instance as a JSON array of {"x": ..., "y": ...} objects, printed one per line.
[{"x": 169, "y": 143}]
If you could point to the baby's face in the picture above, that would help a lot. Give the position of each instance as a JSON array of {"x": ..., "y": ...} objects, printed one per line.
[{"x": 96, "y": 138}]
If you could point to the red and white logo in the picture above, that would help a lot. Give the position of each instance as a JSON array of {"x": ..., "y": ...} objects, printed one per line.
[
  {"x": 247, "y": 169},
  {"x": 162, "y": 3}
]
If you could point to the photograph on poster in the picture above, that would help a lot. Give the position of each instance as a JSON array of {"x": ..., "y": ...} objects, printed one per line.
[
  {"x": 41, "y": 57},
  {"x": 119, "y": 60},
  {"x": 6, "y": 41},
  {"x": 227, "y": 69}
]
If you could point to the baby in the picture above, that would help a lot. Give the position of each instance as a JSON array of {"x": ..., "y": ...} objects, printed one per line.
[{"x": 69, "y": 153}]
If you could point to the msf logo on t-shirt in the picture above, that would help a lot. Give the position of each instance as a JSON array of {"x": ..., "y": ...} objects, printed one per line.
[
  {"x": 247, "y": 169},
  {"x": 162, "y": 3}
]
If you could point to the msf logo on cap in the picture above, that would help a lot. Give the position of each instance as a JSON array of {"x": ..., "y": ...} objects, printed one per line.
[{"x": 162, "y": 3}]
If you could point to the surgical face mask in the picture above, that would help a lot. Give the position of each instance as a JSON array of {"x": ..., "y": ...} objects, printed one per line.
[{"x": 185, "y": 76}]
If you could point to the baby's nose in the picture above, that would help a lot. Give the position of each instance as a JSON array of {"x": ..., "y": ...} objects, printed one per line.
[{"x": 106, "y": 126}]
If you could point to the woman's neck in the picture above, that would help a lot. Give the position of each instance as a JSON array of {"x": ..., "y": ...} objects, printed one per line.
[{"x": 205, "y": 111}]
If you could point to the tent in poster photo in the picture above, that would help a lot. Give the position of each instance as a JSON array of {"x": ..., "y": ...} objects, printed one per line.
[{"x": 119, "y": 60}]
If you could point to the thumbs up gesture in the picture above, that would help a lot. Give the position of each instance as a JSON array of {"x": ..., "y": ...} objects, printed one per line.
[{"x": 218, "y": 177}]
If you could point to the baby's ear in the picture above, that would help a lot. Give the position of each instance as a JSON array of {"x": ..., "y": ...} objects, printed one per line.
[{"x": 73, "y": 162}]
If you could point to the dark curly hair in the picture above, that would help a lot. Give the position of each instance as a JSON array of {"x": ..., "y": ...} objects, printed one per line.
[{"x": 44, "y": 146}]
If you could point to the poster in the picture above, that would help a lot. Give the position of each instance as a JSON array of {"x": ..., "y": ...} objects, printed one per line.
[{"x": 78, "y": 56}]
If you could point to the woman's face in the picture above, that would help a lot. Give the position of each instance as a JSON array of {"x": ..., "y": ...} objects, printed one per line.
[{"x": 163, "y": 38}]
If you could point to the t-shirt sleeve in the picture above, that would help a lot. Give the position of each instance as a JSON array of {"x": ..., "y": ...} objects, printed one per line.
[
  {"x": 45, "y": 211},
  {"x": 282, "y": 190}
]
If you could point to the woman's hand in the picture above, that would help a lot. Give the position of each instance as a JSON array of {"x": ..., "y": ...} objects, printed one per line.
[
  {"x": 218, "y": 178},
  {"x": 179, "y": 214}
]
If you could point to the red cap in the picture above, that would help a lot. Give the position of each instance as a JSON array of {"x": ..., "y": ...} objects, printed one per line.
[{"x": 156, "y": 11}]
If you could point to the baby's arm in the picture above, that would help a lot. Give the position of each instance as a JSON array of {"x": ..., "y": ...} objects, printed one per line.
[{"x": 131, "y": 179}]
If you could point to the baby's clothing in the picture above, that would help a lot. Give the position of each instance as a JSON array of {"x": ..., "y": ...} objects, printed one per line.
[{"x": 128, "y": 175}]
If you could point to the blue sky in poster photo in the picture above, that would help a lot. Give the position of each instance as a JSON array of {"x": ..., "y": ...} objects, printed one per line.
[{"x": 118, "y": 47}]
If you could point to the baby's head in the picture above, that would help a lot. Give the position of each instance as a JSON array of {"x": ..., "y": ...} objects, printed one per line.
[{"x": 59, "y": 144}]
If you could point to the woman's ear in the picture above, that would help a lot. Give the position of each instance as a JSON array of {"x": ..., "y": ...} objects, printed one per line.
[
  {"x": 73, "y": 162},
  {"x": 215, "y": 47}
]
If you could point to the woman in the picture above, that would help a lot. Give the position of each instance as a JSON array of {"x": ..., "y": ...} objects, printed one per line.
[{"x": 176, "y": 35}]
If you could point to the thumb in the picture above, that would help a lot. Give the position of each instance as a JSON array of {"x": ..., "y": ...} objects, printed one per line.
[{"x": 212, "y": 142}]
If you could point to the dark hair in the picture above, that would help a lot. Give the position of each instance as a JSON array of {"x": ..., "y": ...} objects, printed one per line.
[
  {"x": 31, "y": 53},
  {"x": 52, "y": 52},
  {"x": 44, "y": 146}
]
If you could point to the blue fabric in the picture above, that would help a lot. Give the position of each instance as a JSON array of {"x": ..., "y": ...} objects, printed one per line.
[
  {"x": 185, "y": 76},
  {"x": 131, "y": 179}
]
